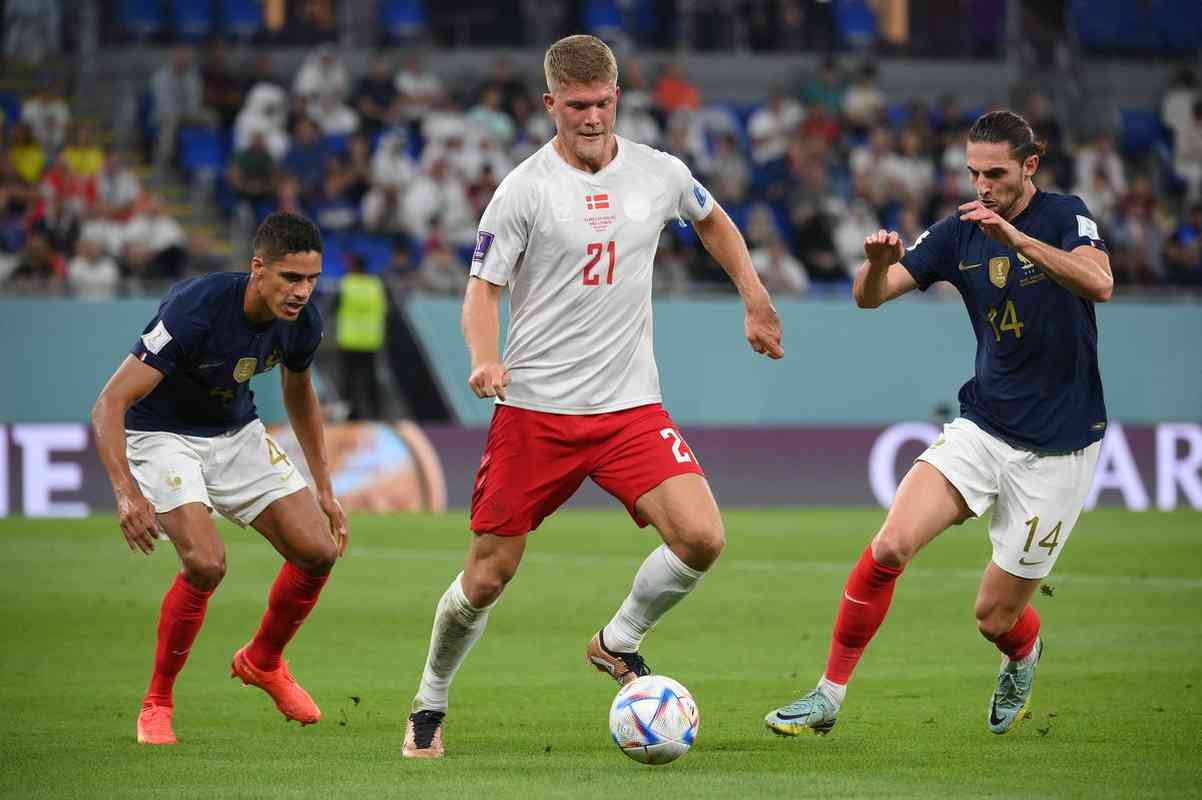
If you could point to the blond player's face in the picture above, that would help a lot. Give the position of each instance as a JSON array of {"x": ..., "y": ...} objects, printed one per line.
[
  {"x": 584, "y": 118},
  {"x": 997, "y": 175}
]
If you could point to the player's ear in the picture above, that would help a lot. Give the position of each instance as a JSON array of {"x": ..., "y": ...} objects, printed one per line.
[
  {"x": 256, "y": 265},
  {"x": 548, "y": 102},
  {"x": 1030, "y": 166}
]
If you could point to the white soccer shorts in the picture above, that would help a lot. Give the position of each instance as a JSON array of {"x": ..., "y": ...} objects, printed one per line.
[
  {"x": 1036, "y": 499},
  {"x": 238, "y": 473}
]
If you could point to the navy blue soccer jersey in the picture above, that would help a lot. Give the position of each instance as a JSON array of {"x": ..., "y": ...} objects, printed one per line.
[
  {"x": 207, "y": 350},
  {"x": 1037, "y": 384}
]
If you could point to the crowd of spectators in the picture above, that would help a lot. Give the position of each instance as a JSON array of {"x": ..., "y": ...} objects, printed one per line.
[
  {"x": 401, "y": 155},
  {"x": 74, "y": 215}
]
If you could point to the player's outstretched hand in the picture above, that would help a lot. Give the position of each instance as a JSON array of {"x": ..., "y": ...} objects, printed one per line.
[
  {"x": 762, "y": 326},
  {"x": 883, "y": 249},
  {"x": 489, "y": 380},
  {"x": 991, "y": 223},
  {"x": 339, "y": 531},
  {"x": 138, "y": 522}
]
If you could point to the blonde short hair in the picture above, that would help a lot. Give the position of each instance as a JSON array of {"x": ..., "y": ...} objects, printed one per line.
[{"x": 579, "y": 59}]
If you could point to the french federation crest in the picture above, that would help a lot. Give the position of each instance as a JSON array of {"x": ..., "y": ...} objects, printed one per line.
[
  {"x": 245, "y": 367},
  {"x": 999, "y": 270}
]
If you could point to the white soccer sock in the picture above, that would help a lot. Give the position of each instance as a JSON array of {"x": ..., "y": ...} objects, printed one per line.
[
  {"x": 457, "y": 626},
  {"x": 834, "y": 691},
  {"x": 661, "y": 582}
]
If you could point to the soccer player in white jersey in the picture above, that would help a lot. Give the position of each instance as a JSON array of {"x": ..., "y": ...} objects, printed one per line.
[{"x": 572, "y": 232}]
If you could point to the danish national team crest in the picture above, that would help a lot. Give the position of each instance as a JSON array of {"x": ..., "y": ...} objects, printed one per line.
[
  {"x": 999, "y": 270},
  {"x": 244, "y": 369},
  {"x": 598, "y": 202}
]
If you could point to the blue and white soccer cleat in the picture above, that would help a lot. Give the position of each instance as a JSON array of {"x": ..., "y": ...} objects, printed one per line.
[
  {"x": 1012, "y": 697},
  {"x": 815, "y": 711}
]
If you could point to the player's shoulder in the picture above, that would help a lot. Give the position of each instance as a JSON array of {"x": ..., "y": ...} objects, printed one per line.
[
  {"x": 644, "y": 156},
  {"x": 530, "y": 172},
  {"x": 203, "y": 296},
  {"x": 1056, "y": 203}
]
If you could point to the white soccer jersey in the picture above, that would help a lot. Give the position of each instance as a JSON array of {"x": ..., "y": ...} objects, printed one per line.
[{"x": 576, "y": 249}]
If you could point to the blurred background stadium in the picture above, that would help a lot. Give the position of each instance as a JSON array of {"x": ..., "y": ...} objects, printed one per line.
[{"x": 144, "y": 139}]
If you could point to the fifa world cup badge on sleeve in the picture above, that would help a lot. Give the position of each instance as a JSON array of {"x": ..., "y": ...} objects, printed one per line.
[
  {"x": 157, "y": 338},
  {"x": 483, "y": 242}
]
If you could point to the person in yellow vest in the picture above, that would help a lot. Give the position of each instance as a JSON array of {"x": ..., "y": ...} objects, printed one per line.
[{"x": 362, "y": 309}]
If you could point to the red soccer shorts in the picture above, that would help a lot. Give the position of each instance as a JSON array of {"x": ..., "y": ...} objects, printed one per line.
[{"x": 534, "y": 461}]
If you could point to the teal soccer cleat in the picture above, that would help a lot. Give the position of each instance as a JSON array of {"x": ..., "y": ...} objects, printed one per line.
[
  {"x": 815, "y": 711},
  {"x": 1012, "y": 697}
]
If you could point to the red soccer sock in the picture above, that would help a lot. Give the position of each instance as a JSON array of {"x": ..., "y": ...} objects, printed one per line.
[
  {"x": 180, "y": 618},
  {"x": 866, "y": 598},
  {"x": 1018, "y": 642},
  {"x": 292, "y": 597}
]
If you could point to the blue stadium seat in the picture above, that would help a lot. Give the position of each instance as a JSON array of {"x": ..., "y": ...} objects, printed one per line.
[
  {"x": 241, "y": 19},
  {"x": 192, "y": 20},
  {"x": 336, "y": 144},
  {"x": 376, "y": 250},
  {"x": 856, "y": 22},
  {"x": 897, "y": 115},
  {"x": 403, "y": 19},
  {"x": 1179, "y": 24},
  {"x": 10, "y": 105},
  {"x": 1141, "y": 130},
  {"x": 603, "y": 18},
  {"x": 141, "y": 18},
  {"x": 200, "y": 149}
]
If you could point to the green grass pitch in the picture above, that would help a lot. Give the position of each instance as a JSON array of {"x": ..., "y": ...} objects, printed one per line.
[{"x": 1117, "y": 706}]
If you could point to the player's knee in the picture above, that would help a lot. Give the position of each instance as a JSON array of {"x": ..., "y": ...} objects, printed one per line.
[
  {"x": 891, "y": 547},
  {"x": 483, "y": 585},
  {"x": 318, "y": 561},
  {"x": 699, "y": 545},
  {"x": 993, "y": 621},
  {"x": 204, "y": 572}
]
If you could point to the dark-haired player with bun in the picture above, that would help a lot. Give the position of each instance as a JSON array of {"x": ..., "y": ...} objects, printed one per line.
[
  {"x": 1029, "y": 265},
  {"x": 178, "y": 434}
]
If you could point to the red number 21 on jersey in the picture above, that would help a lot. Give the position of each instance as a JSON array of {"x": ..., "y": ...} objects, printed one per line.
[{"x": 596, "y": 249}]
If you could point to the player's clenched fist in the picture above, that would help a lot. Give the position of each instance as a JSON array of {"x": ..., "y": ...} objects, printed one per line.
[
  {"x": 137, "y": 521},
  {"x": 489, "y": 380},
  {"x": 883, "y": 248}
]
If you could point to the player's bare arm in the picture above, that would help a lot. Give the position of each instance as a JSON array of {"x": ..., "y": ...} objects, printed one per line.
[
  {"x": 132, "y": 381},
  {"x": 1085, "y": 271},
  {"x": 881, "y": 278},
  {"x": 304, "y": 413},
  {"x": 481, "y": 328},
  {"x": 724, "y": 242}
]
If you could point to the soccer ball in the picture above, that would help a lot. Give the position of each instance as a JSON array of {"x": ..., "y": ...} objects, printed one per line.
[{"x": 654, "y": 719}]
